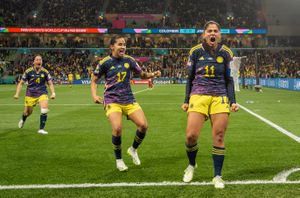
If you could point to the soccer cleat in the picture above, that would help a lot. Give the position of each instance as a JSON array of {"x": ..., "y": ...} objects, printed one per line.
[
  {"x": 133, "y": 153},
  {"x": 189, "y": 173},
  {"x": 121, "y": 166},
  {"x": 218, "y": 182},
  {"x": 21, "y": 124},
  {"x": 42, "y": 131}
]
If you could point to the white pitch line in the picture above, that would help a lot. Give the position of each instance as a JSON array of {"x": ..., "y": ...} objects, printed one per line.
[
  {"x": 280, "y": 129},
  {"x": 70, "y": 104},
  {"x": 282, "y": 176},
  {"x": 88, "y": 104},
  {"x": 142, "y": 90},
  {"x": 75, "y": 104},
  {"x": 109, "y": 185},
  {"x": 91, "y": 104}
]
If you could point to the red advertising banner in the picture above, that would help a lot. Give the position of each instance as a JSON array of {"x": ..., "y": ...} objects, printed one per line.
[
  {"x": 140, "y": 81},
  {"x": 55, "y": 30}
]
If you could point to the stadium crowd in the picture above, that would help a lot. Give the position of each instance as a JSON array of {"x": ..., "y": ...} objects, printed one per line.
[
  {"x": 159, "y": 41},
  {"x": 171, "y": 62},
  {"x": 162, "y": 51},
  {"x": 142, "y": 7},
  {"x": 15, "y": 12},
  {"x": 91, "y": 13},
  {"x": 273, "y": 64},
  {"x": 45, "y": 13},
  {"x": 194, "y": 13},
  {"x": 59, "y": 64}
]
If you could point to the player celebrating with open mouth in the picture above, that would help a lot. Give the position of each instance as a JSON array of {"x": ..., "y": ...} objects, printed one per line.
[
  {"x": 36, "y": 93},
  {"x": 209, "y": 94}
]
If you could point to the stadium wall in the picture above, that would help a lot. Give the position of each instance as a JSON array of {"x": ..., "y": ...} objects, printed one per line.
[
  {"x": 280, "y": 83},
  {"x": 137, "y": 81}
]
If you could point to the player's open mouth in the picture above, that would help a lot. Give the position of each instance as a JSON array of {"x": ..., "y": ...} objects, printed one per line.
[
  {"x": 212, "y": 39},
  {"x": 122, "y": 52}
]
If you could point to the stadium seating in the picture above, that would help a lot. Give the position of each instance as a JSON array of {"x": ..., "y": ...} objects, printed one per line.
[{"x": 91, "y": 13}]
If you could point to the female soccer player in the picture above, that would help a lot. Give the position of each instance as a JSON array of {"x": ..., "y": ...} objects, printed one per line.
[
  {"x": 209, "y": 94},
  {"x": 36, "y": 93},
  {"x": 119, "y": 99}
]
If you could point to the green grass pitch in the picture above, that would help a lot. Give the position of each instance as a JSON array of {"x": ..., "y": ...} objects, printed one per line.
[{"x": 78, "y": 148}]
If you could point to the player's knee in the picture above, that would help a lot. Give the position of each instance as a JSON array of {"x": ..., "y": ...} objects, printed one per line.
[
  {"x": 191, "y": 138},
  {"x": 27, "y": 113},
  {"x": 143, "y": 127},
  {"x": 219, "y": 137},
  {"x": 117, "y": 130},
  {"x": 44, "y": 110}
]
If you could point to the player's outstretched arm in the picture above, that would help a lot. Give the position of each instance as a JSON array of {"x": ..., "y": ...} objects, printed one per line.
[
  {"x": 19, "y": 87},
  {"x": 146, "y": 75},
  {"x": 96, "y": 99}
]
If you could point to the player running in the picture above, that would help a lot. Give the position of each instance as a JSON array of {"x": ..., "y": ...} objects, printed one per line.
[{"x": 36, "y": 92}]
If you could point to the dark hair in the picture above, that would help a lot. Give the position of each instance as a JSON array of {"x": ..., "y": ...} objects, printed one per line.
[
  {"x": 211, "y": 22},
  {"x": 36, "y": 56},
  {"x": 114, "y": 39}
]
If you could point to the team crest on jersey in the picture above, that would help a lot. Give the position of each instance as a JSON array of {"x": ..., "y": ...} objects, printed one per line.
[
  {"x": 201, "y": 58},
  {"x": 126, "y": 65},
  {"x": 112, "y": 67},
  {"x": 42, "y": 75},
  {"x": 220, "y": 59}
]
